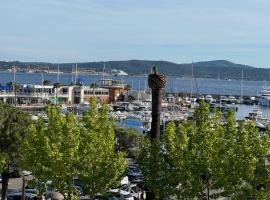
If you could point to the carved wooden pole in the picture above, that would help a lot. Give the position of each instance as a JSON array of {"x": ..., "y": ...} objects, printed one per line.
[{"x": 156, "y": 82}]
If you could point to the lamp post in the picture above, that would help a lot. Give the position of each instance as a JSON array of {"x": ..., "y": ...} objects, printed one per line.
[{"x": 156, "y": 82}]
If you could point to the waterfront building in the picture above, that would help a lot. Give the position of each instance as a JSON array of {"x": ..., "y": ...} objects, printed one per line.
[
  {"x": 86, "y": 93},
  {"x": 46, "y": 94},
  {"x": 116, "y": 89}
]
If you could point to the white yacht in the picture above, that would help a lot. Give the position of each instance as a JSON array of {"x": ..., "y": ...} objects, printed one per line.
[
  {"x": 264, "y": 96},
  {"x": 257, "y": 116},
  {"x": 209, "y": 98}
]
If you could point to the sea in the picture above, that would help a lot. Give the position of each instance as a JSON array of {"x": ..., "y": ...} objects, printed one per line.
[{"x": 174, "y": 84}]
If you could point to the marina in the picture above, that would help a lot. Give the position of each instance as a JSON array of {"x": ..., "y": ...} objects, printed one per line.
[
  {"x": 174, "y": 84},
  {"x": 132, "y": 107}
]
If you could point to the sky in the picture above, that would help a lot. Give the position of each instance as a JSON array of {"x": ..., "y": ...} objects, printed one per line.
[{"x": 179, "y": 31}]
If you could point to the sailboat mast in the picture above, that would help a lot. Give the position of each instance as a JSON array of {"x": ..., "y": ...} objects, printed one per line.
[
  {"x": 103, "y": 72},
  {"x": 76, "y": 73},
  {"x": 42, "y": 85},
  {"x": 145, "y": 86},
  {"x": 191, "y": 79},
  {"x": 72, "y": 81},
  {"x": 242, "y": 77},
  {"x": 14, "y": 74},
  {"x": 58, "y": 81},
  {"x": 139, "y": 92}
]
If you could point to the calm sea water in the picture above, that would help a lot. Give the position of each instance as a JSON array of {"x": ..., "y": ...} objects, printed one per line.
[{"x": 174, "y": 84}]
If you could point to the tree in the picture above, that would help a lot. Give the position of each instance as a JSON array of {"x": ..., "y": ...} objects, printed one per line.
[
  {"x": 54, "y": 150},
  {"x": 70, "y": 147},
  {"x": 93, "y": 85},
  {"x": 57, "y": 85},
  {"x": 101, "y": 166},
  {"x": 243, "y": 154},
  {"x": 46, "y": 82},
  {"x": 13, "y": 129},
  {"x": 127, "y": 87},
  {"x": 2, "y": 162},
  {"x": 199, "y": 156},
  {"x": 128, "y": 141}
]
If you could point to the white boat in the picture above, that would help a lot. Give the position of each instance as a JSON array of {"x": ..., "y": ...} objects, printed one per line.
[
  {"x": 264, "y": 96},
  {"x": 82, "y": 107},
  {"x": 209, "y": 98},
  {"x": 257, "y": 116}
]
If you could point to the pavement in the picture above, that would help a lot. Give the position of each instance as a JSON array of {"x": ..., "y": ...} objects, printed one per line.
[{"x": 15, "y": 184}]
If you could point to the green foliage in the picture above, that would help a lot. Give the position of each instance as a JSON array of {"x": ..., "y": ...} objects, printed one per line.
[
  {"x": 2, "y": 162},
  {"x": 51, "y": 153},
  {"x": 70, "y": 147},
  {"x": 93, "y": 85},
  {"x": 128, "y": 141},
  {"x": 102, "y": 166},
  {"x": 46, "y": 82},
  {"x": 57, "y": 85},
  {"x": 13, "y": 129},
  {"x": 128, "y": 87},
  {"x": 153, "y": 165},
  {"x": 205, "y": 154}
]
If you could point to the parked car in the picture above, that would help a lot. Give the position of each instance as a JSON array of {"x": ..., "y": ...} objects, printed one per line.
[
  {"x": 29, "y": 190},
  {"x": 18, "y": 196},
  {"x": 134, "y": 174},
  {"x": 134, "y": 190},
  {"x": 79, "y": 190},
  {"x": 115, "y": 194}
]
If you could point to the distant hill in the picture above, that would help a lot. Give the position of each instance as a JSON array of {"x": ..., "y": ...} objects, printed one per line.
[{"x": 208, "y": 69}]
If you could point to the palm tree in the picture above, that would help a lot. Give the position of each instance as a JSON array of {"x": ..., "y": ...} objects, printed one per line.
[
  {"x": 46, "y": 82},
  {"x": 56, "y": 86},
  {"x": 127, "y": 88},
  {"x": 156, "y": 82},
  {"x": 93, "y": 85}
]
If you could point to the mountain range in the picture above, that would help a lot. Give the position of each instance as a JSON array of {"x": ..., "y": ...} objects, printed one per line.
[{"x": 221, "y": 69}]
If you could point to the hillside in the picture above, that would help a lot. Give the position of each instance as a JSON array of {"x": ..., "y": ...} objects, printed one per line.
[{"x": 207, "y": 69}]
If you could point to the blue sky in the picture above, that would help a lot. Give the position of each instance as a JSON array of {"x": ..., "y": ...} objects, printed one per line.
[{"x": 174, "y": 30}]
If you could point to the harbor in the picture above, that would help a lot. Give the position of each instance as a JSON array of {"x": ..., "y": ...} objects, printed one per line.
[{"x": 129, "y": 97}]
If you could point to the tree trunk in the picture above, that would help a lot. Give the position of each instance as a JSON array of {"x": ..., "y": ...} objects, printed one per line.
[
  {"x": 5, "y": 179},
  {"x": 208, "y": 192},
  {"x": 156, "y": 109},
  {"x": 23, "y": 188}
]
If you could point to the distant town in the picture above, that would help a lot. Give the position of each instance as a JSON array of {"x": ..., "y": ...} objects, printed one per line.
[
  {"x": 52, "y": 70},
  {"x": 216, "y": 69}
]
